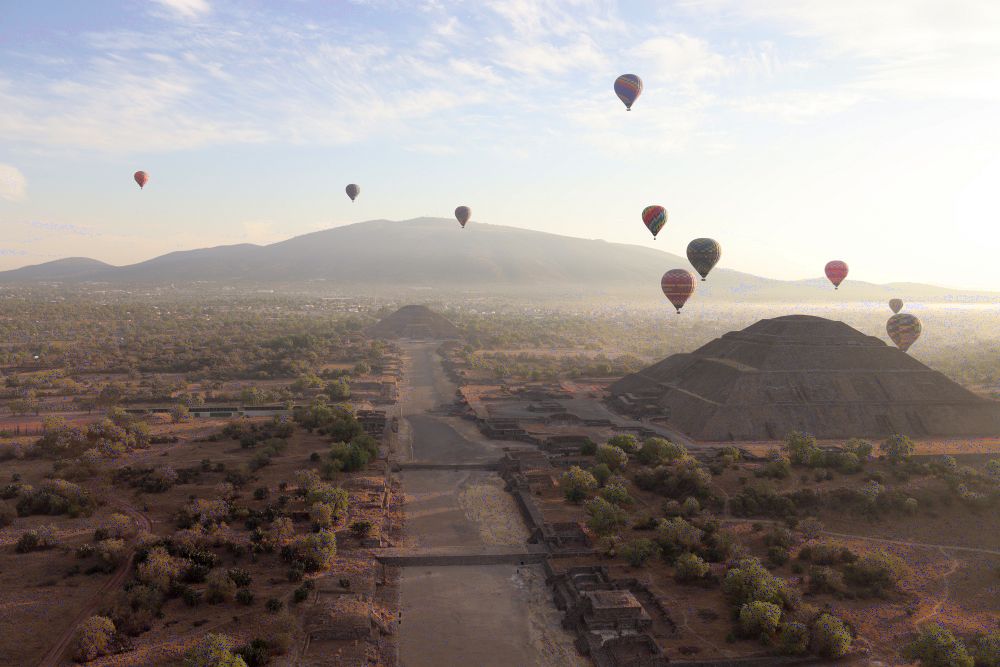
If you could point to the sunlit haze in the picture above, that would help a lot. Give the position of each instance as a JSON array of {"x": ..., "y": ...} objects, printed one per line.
[{"x": 792, "y": 131}]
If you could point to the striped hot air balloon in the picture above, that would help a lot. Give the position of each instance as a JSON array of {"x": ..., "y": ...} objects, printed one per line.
[
  {"x": 654, "y": 217},
  {"x": 677, "y": 286},
  {"x": 462, "y": 214},
  {"x": 704, "y": 254},
  {"x": 836, "y": 271},
  {"x": 904, "y": 330},
  {"x": 896, "y": 305},
  {"x": 141, "y": 178},
  {"x": 353, "y": 191},
  {"x": 628, "y": 87}
]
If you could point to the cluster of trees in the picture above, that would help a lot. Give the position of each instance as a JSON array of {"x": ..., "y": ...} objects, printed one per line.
[{"x": 937, "y": 646}]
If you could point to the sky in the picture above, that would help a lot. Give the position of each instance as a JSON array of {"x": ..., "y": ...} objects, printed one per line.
[{"x": 792, "y": 131}]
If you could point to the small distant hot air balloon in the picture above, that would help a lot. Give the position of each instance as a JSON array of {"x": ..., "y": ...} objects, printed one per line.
[
  {"x": 462, "y": 214},
  {"x": 141, "y": 178},
  {"x": 703, "y": 255},
  {"x": 836, "y": 271},
  {"x": 904, "y": 330},
  {"x": 654, "y": 217},
  {"x": 353, "y": 191},
  {"x": 628, "y": 87},
  {"x": 896, "y": 305},
  {"x": 677, "y": 285}
]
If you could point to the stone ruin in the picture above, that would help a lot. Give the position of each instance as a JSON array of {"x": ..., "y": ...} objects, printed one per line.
[
  {"x": 802, "y": 373},
  {"x": 417, "y": 322}
]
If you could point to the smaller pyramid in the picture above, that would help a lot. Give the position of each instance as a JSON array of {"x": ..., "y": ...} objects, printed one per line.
[{"x": 414, "y": 322}]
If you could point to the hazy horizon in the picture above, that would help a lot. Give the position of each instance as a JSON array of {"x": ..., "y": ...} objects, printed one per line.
[{"x": 794, "y": 133}]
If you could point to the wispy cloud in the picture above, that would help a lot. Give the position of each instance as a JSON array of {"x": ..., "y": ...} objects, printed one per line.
[
  {"x": 62, "y": 228},
  {"x": 13, "y": 184},
  {"x": 186, "y": 8}
]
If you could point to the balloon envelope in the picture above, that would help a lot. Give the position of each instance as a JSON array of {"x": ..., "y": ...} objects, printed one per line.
[
  {"x": 141, "y": 178},
  {"x": 677, "y": 286},
  {"x": 896, "y": 305},
  {"x": 703, "y": 255},
  {"x": 462, "y": 214},
  {"x": 654, "y": 217},
  {"x": 353, "y": 191},
  {"x": 836, "y": 271},
  {"x": 628, "y": 87},
  {"x": 904, "y": 330}
]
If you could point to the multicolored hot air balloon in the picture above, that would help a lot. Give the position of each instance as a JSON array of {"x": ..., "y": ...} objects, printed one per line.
[
  {"x": 836, "y": 271},
  {"x": 628, "y": 87},
  {"x": 462, "y": 214},
  {"x": 353, "y": 191},
  {"x": 141, "y": 178},
  {"x": 703, "y": 255},
  {"x": 677, "y": 285},
  {"x": 654, "y": 217},
  {"x": 904, "y": 330},
  {"x": 896, "y": 305}
]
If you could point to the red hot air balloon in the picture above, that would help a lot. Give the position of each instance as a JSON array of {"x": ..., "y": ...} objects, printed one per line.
[
  {"x": 677, "y": 285},
  {"x": 141, "y": 178},
  {"x": 462, "y": 214},
  {"x": 836, "y": 271}
]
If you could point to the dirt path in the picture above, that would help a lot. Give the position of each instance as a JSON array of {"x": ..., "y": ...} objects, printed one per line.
[
  {"x": 55, "y": 655},
  {"x": 946, "y": 585}
]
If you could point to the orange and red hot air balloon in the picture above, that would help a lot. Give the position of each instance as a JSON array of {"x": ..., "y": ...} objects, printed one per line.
[
  {"x": 677, "y": 285},
  {"x": 836, "y": 271},
  {"x": 141, "y": 178}
]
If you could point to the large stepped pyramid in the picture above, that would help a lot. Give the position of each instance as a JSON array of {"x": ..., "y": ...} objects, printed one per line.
[
  {"x": 808, "y": 374},
  {"x": 414, "y": 322}
]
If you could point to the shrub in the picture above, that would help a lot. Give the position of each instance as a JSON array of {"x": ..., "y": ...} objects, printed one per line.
[
  {"x": 749, "y": 582},
  {"x": 690, "y": 506},
  {"x": 577, "y": 484},
  {"x": 112, "y": 552},
  {"x": 876, "y": 572},
  {"x": 321, "y": 515},
  {"x": 830, "y": 637},
  {"x": 897, "y": 448},
  {"x": 616, "y": 494},
  {"x": 300, "y": 594},
  {"x": 159, "y": 569},
  {"x": 689, "y": 567},
  {"x": 676, "y": 536},
  {"x": 801, "y": 448},
  {"x": 119, "y": 526},
  {"x": 613, "y": 457},
  {"x": 240, "y": 576},
  {"x": 588, "y": 448},
  {"x": 639, "y": 551},
  {"x": 658, "y": 450},
  {"x": 793, "y": 639},
  {"x": 811, "y": 528},
  {"x": 860, "y": 448},
  {"x": 274, "y": 605},
  {"x": 219, "y": 587},
  {"x": 6, "y": 515},
  {"x": 257, "y": 653},
  {"x": 261, "y": 493},
  {"x": 43, "y": 537},
  {"x": 826, "y": 580},
  {"x": 213, "y": 650},
  {"x": 759, "y": 619},
  {"x": 316, "y": 551},
  {"x": 986, "y": 649},
  {"x": 779, "y": 536},
  {"x": 777, "y": 556},
  {"x": 244, "y": 596},
  {"x": 54, "y": 497},
  {"x": 604, "y": 518},
  {"x": 94, "y": 638},
  {"x": 361, "y": 528},
  {"x": 602, "y": 473},
  {"x": 626, "y": 442},
  {"x": 936, "y": 646}
]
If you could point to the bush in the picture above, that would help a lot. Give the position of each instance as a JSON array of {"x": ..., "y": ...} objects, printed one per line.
[
  {"x": 159, "y": 569},
  {"x": 361, "y": 529},
  {"x": 612, "y": 456},
  {"x": 639, "y": 551},
  {"x": 213, "y": 650},
  {"x": 321, "y": 515},
  {"x": 689, "y": 567},
  {"x": 315, "y": 551},
  {"x": 936, "y": 646},
  {"x": 759, "y": 619},
  {"x": 577, "y": 484},
  {"x": 826, "y": 580},
  {"x": 119, "y": 526},
  {"x": 625, "y": 442},
  {"x": 94, "y": 638},
  {"x": 602, "y": 473},
  {"x": 777, "y": 556},
  {"x": 588, "y": 448},
  {"x": 676, "y": 536},
  {"x": 300, "y": 594},
  {"x": 604, "y": 518},
  {"x": 749, "y": 582},
  {"x": 801, "y": 448},
  {"x": 793, "y": 639},
  {"x": 779, "y": 536},
  {"x": 274, "y": 605},
  {"x": 860, "y": 448},
  {"x": 244, "y": 596},
  {"x": 616, "y": 494},
  {"x": 43, "y": 537},
  {"x": 986, "y": 648},
  {"x": 657, "y": 450},
  {"x": 219, "y": 588},
  {"x": 255, "y": 654},
  {"x": 830, "y": 637},
  {"x": 876, "y": 573},
  {"x": 811, "y": 528},
  {"x": 897, "y": 448}
]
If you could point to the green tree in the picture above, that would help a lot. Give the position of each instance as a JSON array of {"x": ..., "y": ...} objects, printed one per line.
[
  {"x": 94, "y": 638},
  {"x": 801, "y": 448},
  {"x": 612, "y": 456},
  {"x": 936, "y": 646},
  {"x": 830, "y": 637},
  {"x": 637, "y": 552},
  {"x": 750, "y": 581},
  {"x": 577, "y": 484},
  {"x": 793, "y": 638},
  {"x": 690, "y": 567},
  {"x": 179, "y": 413},
  {"x": 759, "y": 618},
  {"x": 897, "y": 448},
  {"x": 604, "y": 518},
  {"x": 658, "y": 450},
  {"x": 213, "y": 650}
]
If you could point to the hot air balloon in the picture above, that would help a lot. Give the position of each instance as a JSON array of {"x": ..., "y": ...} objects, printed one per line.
[
  {"x": 896, "y": 305},
  {"x": 677, "y": 285},
  {"x": 904, "y": 330},
  {"x": 141, "y": 178},
  {"x": 353, "y": 191},
  {"x": 654, "y": 217},
  {"x": 628, "y": 87},
  {"x": 462, "y": 214},
  {"x": 703, "y": 255},
  {"x": 836, "y": 271}
]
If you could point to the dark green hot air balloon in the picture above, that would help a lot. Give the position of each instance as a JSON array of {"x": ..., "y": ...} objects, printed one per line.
[{"x": 703, "y": 255}]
